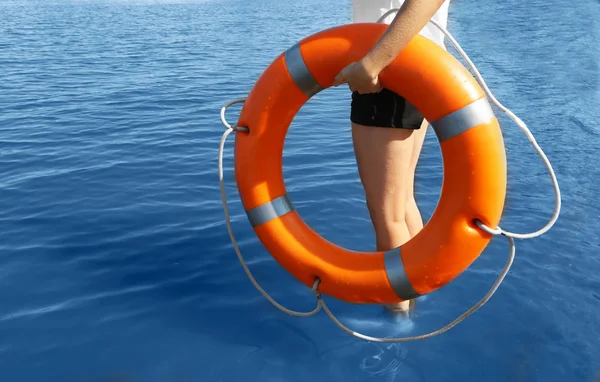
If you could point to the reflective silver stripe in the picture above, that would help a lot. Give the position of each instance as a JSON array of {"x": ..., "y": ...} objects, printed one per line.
[
  {"x": 397, "y": 275},
  {"x": 269, "y": 211},
  {"x": 463, "y": 119},
  {"x": 300, "y": 73}
]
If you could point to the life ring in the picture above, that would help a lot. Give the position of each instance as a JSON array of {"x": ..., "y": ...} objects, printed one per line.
[{"x": 474, "y": 164}]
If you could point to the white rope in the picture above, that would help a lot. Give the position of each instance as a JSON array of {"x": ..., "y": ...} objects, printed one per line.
[
  {"x": 530, "y": 137},
  {"x": 321, "y": 303},
  {"x": 493, "y": 231},
  {"x": 462, "y": 317},
  {"x": 235, "y": 245},
  {"x": 522, "y": 126}
]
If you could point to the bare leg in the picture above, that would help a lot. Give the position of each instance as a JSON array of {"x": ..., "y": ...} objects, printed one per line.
[
  {"x": 414, "y": 221},
  {"x": 384, "y": 157}
]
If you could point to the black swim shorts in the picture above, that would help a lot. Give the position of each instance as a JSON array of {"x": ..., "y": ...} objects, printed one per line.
[{"x": 384, "y": 109}]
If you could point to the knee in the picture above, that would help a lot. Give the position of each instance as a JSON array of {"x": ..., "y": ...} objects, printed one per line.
[
  {"x": 391, "y": 231},
  {"x": 386, "y": 218}
]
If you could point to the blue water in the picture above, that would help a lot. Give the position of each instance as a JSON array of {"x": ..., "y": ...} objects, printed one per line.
[{"x": 114, "y": 256}]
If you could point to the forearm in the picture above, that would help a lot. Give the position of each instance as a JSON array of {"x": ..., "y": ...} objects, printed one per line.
[{"x": 408, "y": 22}]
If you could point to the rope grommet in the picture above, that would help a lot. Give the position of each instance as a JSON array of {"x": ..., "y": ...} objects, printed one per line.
[
  {"x": 315, "y": 288},
  {"x": 224, "y": 121},
  {"x": 240, "y": 128},
  {"x": 491, "y": 231}
]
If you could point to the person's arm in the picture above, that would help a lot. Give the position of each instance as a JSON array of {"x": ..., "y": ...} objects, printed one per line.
[
  {"x": 408, "y": 22},
  {"x": 363, "y": 76}
]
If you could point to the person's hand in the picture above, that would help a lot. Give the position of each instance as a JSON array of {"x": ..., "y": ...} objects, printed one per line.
[{"x": 360, "y": 78}]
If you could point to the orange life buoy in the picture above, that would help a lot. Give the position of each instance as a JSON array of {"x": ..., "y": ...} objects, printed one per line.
[{"x": 474, "y": 163}]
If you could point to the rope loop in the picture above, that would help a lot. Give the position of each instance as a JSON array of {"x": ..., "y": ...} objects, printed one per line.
[
  {"x": 492, "y": 231},
  {"x": 224, "y": 120}
]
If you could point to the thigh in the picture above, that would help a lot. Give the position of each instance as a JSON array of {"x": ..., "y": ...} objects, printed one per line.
[
  {"x": 383, "y": 157},
  {"x": 388, "y": 134},
  {"x": 419, "y": 139}
]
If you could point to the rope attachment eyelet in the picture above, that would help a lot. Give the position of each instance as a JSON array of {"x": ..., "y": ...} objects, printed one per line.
[
  {"x": 235, "y": 128},
  {"x": 491, "y": 231},
  {"x": 315, "y": 288}
]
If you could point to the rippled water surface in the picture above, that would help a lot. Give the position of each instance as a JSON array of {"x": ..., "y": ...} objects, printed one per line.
[{"x": 114, "y": 255}]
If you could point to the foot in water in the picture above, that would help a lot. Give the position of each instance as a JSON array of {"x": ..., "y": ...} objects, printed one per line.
[{"x": 403, "y": 309}]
